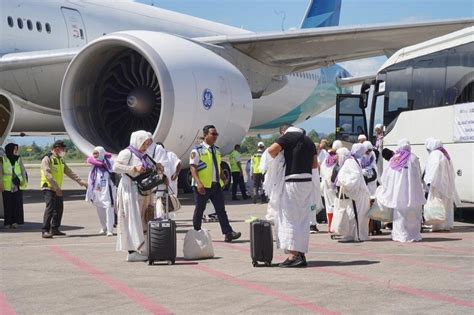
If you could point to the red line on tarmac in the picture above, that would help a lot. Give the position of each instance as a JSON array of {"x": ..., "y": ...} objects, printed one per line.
[
  {"x": 391, "y": 257},
  {"x": 446, "y": 249},
  {"x": 368, "y": 281},
  {"x": 5, "y": 308},
  {"x": 264, "y": 290},
  {"x": 118, "y": 286}
]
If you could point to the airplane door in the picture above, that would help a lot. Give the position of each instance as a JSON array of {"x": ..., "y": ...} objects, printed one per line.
[{"x": 75, "y": 27}]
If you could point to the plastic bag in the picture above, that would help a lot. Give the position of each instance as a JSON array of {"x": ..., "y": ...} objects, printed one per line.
[
  {"x": 434, "y": 211},
  {"x": 379, "y": 212},
  {"x": 198, "y": 245}
]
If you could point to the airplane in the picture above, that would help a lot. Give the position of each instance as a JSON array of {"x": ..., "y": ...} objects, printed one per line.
[{"x": 100, "y": 70}]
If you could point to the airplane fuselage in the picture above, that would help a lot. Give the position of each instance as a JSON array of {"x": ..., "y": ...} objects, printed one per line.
[{"x": 39, "y": 26}]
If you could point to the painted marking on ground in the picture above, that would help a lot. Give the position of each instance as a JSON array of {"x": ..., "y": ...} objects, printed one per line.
[
  {"x": 116, "y": 285},
  {"x": 307, "y": 306},
  {"x": 5, "y": 308},
  {"x": 397, "y": 259},
  {"x": 369, "y": 281}
]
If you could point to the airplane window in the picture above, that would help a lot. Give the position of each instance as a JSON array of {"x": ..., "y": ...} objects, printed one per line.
[
  {"x": 20, "y": 23},
  {"x": 39, "y": 27},
  {"x": 29, "y": 24},
  {"x": 10, "y": 21},
  {"x": 48, "y": 27}
]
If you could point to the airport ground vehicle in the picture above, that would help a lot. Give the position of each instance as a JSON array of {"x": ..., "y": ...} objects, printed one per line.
[{"x": 424, "y": 90}]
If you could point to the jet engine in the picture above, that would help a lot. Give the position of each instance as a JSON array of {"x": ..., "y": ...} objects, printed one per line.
[{"x": 161, "y": 83}]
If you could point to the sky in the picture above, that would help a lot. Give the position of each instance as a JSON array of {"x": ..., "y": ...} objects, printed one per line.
[{"x": 277, "y": 15}]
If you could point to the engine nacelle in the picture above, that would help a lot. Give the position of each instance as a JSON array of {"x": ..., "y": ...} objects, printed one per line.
[
  {"x": 7, "y": 116},
  {"x": 167, "y": 85}
]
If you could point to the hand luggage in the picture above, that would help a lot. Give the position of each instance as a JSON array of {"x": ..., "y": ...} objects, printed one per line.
[
  {"x": 261, "y": 242},
  {"x": 162, "y": 237}
]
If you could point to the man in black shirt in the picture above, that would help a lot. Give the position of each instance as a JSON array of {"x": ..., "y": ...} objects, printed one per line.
[{"x": 298, "y": 195}]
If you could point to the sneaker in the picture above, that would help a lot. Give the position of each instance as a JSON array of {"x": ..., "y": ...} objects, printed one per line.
[
  {"x": 313, "y": 229},
  {"x": 46, "y": 235},
  {"x": 212, "y": 217},
  {"x": 229, "y": 237},
  {"x": 110, "y": 234},
  {"x": 57, "y": 233},
  {"x": 102, "y": 232},
  {"x": 298, "y": 262},
  {"x": 136, "y": 256}
]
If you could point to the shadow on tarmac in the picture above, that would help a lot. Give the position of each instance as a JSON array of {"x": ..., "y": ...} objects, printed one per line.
[
  {"x": 312, "y": 264},
  {"x": 36, "y": 227}
]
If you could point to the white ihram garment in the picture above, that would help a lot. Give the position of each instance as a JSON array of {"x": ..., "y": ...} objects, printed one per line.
[
  {"x": 403, "y": 191},
  {"x": 130, "y": 206},
  {"x": 294, "y": 216},
  {"x": 439, "y": 174},
  {"x": 352, "y": 183}
]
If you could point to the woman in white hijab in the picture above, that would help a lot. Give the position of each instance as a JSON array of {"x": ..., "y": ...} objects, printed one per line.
[
  {"x": 327, "y": 188},
  {"x": 352, "y": 185},
  {"x": 402, "y": 190},
  {"x": 101, "y": 190},
  {"x": 131, "y": 205},
  {"x": 439, "y": 176}
]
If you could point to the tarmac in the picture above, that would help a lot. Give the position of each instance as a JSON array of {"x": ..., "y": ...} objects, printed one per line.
[{"x": 83, "y": 273}]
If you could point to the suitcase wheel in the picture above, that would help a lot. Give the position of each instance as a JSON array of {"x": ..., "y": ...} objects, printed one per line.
[
  {"x": 268, "y": 264},
  {"x": 171, "y": 262},
  {"x": 254, "y": 263},
  {"x": 150, "y": 262}
]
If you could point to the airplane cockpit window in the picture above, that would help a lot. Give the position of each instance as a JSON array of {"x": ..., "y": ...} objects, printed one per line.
[
  {"x": 20, "y": 23},
  {"x": 39, "y": 27},
  {"x": 29, "y": 24},
  {"x": 48, "y": 27},
  {"x": 10, "y": 21}
]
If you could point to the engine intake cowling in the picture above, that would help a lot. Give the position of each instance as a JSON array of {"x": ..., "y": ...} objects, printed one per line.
[{"x": 142, "y": 80}]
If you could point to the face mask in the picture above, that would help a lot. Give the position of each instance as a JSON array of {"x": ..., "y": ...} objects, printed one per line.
[{"x": 62, "y": 153}]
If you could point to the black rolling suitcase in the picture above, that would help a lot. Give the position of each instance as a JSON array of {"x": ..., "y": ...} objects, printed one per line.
[
  {"x": 261, "y": 242},
  {"x": 162, "y": 238}
]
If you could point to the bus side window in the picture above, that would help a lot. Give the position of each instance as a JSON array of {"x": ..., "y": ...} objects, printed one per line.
[{"x": 459, "y": 74}]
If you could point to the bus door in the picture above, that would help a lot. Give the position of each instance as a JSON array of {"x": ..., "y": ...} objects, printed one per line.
[
  {"x": 351, "y": 120},
  {"x": 75, "y": 27}
]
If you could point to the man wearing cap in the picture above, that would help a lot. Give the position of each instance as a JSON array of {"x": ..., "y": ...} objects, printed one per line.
[
  {"x": 237, "y": 174},
  {"x": 257, "y": 174},
  {"x": 53, "y": 169}
]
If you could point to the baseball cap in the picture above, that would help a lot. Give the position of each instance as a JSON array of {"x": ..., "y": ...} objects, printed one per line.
[
  {"x": 260, "y": 144},
  {"x": 59, "y": 144}
]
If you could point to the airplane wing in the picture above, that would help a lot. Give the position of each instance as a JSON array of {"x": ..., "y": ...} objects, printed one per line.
[
  {"x": 15, "y": 61},
  {"x": 306, "y": 49}
]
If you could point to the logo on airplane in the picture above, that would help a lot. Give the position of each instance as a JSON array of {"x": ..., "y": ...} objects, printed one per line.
[{"x": 207, "y": 99}]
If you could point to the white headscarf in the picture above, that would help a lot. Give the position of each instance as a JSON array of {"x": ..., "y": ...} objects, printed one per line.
[
  {"x": 404, "y": 144},
  {"x": 358, "y": 150},
  {"x": 337, "y": 144},
  {"x": 138, "y": 138},
  {"x": 361, "y": 137},
  {"x": 101, "y": 152},
  {"x": 368, "y": 145},
  {"x": 342, "y": 155},
  {"x": 379, "y": 126},
  {"x": 433, "y": 144}
]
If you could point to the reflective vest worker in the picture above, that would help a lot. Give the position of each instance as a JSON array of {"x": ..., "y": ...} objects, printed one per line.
[
  {"x": 53, "y": 169},
  {"x": 237, "y": 174},
  {"x": 12, "y": 173},
  {"x": 205, "y": 164}
]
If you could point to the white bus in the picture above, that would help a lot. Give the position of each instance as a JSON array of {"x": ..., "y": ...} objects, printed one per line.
[{"x": 421, "y": 91}]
